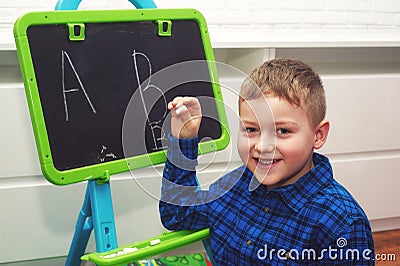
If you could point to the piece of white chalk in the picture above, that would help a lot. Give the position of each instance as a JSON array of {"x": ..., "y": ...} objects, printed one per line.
[
  {"x": 130, "y": 250},
  {"x": 121, "y": 252},
  {"x": 180, "y": 109},
  {"x": 155, "y": 242}
]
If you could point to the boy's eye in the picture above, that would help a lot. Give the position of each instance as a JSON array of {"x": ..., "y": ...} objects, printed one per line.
[
  {"x": 283, "y": 131},
  {"x": 251, "y": 130}
]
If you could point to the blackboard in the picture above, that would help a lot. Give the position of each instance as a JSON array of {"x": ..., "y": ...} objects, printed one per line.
[{"x": 97, "y": 83}]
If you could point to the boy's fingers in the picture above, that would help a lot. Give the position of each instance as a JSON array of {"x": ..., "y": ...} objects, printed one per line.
[
  {"x": 184, "y": 107},
  {"x": 190, "y": 101},
  {"x": 193, "y": 105},
  {"x": 181, "y": 109},
  {"x": 177, "y": 100}
]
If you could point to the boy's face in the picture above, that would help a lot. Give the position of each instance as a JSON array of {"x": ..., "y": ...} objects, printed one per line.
[{"x": 277, "y": 150}]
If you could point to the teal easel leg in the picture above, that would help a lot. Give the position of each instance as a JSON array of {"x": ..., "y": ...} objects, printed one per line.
[
  {"x": 96, "y": 213},
  {"x": 83, "y": 228},
  {"x": 103, "y": 216}
]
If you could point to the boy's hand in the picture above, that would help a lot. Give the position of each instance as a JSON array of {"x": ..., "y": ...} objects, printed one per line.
[{"x": 185, "y": 117}]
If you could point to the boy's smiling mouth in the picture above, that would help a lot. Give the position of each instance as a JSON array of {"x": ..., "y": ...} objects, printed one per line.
[{"x": 266, "y": 163}]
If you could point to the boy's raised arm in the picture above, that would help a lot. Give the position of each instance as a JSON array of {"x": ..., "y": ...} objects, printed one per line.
[{"x": 179, "y": 184}]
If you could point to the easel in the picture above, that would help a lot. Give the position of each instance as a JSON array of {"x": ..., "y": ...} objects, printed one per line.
[
  {"x": 97, "y": 210},
  {"x": 98, "y": 192}
]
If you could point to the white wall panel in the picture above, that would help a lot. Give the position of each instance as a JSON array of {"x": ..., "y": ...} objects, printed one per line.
[
  {"x": 373, "y": 181},
  {"x": 19, "y": 155},
  {"x": 364, "y": 114}
]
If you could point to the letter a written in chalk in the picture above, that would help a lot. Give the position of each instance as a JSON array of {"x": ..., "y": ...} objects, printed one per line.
[{"x": 66, "y": 64}]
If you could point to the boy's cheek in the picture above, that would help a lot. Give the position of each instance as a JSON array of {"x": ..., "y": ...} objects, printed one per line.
[{"x": 243, "y": 147}]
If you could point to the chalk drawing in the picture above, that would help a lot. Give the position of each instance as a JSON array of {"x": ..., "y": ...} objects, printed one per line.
[
  {"x": 157, "y": 132},
  {"x": 104, "y": 157},
  {"x": 64, "y": 55}
]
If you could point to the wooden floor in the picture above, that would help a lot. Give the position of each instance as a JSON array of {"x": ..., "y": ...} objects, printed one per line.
[{"x": 387, "y": 243}]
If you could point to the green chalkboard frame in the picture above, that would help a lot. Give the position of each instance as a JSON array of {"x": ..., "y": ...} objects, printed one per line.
[{"x": 102, "y": 171}]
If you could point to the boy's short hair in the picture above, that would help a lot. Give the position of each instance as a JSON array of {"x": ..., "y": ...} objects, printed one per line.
[{"x": 291, "y": 80}]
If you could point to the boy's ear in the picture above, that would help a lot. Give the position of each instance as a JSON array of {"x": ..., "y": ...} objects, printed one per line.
[{"x": 321, "y": 134}]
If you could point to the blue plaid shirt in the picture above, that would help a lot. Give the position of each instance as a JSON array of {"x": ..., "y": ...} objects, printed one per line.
[{"x": 313, "y": 221}]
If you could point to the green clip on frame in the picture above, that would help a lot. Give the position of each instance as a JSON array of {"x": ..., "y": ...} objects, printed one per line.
[{"x": 43, "y": 39}]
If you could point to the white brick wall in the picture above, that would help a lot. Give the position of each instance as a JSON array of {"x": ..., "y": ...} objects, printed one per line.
[{"x": 258, "y": 16}]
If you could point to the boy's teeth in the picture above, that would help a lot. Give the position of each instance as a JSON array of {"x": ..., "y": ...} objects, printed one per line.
[{"x": 267, "y": 162}]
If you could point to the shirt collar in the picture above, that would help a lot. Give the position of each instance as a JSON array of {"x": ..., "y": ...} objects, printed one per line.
[{"x": 296, "y": 195}]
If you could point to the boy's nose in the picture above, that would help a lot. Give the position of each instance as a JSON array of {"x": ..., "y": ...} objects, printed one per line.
[{"x": 264, "y": 146}]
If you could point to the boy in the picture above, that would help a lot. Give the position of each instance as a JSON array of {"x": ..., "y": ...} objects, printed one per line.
[{"x": 283, "y": 205}]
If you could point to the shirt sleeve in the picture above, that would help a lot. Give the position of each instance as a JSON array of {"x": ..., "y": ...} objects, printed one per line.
[{"x": 181, "y": 205}]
